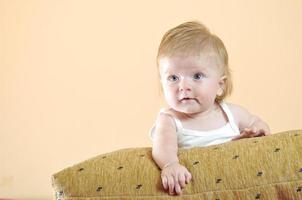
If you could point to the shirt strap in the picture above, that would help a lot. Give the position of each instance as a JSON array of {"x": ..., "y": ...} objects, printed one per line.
[{"x": 229, "y": 114}]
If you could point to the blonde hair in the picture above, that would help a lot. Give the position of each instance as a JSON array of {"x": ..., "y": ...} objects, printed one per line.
[{"x": 194, "y": 39}]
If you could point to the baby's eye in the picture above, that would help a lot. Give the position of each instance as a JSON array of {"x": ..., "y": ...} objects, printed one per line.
[
  {"x": 198, "y": 76},
  {"x": 172, "y": 78}
]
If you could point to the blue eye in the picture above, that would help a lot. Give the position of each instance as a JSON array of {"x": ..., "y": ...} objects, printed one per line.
[
  {"x": 172, "y": 78},
  {"x": 198, "y": 76}
]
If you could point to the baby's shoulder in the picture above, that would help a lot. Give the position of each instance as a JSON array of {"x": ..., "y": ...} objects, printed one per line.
[
  {"x": 233, "y": 107},
  {"x": 237, "y": 111},
  {"x": 168, "y": 111},
  {"x": 166, "y": 116},
  {"x": 165, "y": 119}
]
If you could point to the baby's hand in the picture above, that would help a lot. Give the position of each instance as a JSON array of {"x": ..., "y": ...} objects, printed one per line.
[
  {"x": 252, "y": 132},
  {"x": 175, "y": 177}
]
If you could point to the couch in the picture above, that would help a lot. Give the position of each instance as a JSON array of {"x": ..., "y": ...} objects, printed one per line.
[{"x": 267, "y": 168}]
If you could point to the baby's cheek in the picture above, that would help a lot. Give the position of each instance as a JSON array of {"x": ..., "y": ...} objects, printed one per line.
[
  {"x": 171, "y": 99},
  {"x": 208, "y": 94}
]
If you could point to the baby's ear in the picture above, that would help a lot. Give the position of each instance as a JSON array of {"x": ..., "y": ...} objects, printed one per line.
[{"x": 221, "y": 83}]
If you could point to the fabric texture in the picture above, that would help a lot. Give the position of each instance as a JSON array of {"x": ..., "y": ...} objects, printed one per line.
[
  {"x": 252, "y": 168},
  {"x": 187, "y": 138}
]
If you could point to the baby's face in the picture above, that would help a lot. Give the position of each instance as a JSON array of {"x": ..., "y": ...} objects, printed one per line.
[{"x": 190, "y": 83}]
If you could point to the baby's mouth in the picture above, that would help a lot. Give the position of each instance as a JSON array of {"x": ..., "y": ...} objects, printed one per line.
[{"x": 188, "y": 99}]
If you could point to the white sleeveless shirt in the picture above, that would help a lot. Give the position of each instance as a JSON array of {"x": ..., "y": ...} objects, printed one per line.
[{"x": 188, "y": 138}]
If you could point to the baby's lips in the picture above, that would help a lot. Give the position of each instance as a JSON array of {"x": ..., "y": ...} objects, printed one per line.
[
  {"x": 188, "y": 99},
  {"x": 185, "y": 98}
]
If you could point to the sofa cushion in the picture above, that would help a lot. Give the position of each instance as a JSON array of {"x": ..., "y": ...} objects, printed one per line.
[{"x": 252, "y": 168}]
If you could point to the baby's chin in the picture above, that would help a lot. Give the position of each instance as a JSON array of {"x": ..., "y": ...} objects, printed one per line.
[{"x": 186, "y": 109}]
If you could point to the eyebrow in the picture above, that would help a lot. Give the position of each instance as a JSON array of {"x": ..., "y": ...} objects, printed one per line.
[{"x": 196, "y": 69}]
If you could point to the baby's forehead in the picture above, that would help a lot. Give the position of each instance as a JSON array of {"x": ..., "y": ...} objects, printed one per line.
[
  {"x": 184, "y": 69},
  {"x": 187, "y": 64}
]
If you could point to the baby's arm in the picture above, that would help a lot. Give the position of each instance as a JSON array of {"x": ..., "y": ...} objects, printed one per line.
[
  {"x": 249, "y": 125},
  {"x": 164, "y": 153},
  {"x": 165, "y": 147}
]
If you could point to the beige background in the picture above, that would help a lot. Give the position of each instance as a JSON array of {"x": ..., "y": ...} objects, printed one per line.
[{"x": 78, "y": 78}]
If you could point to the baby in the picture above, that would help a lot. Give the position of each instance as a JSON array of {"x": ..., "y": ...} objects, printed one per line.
[{"x": 195, "y": 77}]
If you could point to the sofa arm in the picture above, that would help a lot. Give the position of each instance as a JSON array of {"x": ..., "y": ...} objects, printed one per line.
[{"x": 252, "y": 168}]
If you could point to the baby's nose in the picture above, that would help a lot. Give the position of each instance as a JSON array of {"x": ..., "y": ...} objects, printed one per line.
[{"x": 184, "y": 85}]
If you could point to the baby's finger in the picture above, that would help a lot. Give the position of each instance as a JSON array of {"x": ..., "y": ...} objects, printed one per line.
[
  {"x": 165, "y": 182},
  {"x": 178, "y": 189},
  {"x": 236, "y": 137},
  {"x": 171, "y": 184},
  {"x": 247, "y": 130},
  {"x": 254, "y": 130},
  {"x": 249, "y": 133},
  {"x": 246, "y": 133},
  {"x": 188, "y": 177},
  {"x": 259, "y": 133},
  {"x": 266, "y": 132},
  {"x": 181, "y": 180}
]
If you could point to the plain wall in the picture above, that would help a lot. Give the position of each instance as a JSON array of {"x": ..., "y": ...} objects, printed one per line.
[{"x": 79, "y": 78}]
